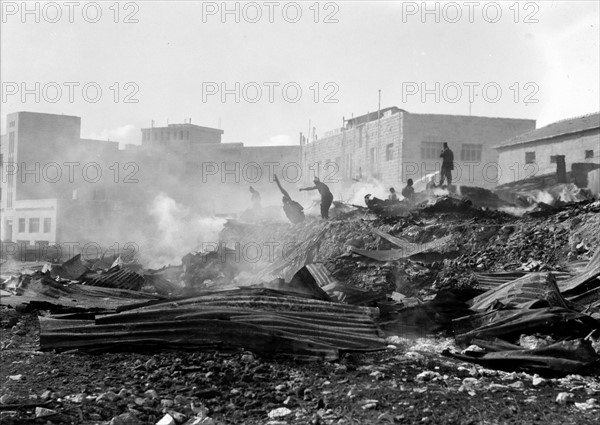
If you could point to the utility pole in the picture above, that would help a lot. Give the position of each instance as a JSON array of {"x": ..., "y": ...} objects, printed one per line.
[{"x": 377, "y": 150}]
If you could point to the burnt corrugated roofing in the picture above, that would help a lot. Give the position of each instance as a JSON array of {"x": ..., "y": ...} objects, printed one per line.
[{"x": 559, "y": 128}]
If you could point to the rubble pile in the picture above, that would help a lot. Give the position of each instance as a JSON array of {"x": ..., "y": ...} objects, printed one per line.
[{"x": 513, "y": 293}]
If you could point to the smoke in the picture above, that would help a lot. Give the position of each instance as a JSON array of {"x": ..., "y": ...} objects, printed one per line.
[
  {"x": 543, "y": 196},
  {"x": 420, "y": 184},
  {"x": 178, "y": 231},
  {"x": 372, "y": 186}
]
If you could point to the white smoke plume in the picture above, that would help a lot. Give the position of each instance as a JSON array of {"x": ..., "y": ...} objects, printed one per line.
[
  {"x": 372, "y": 186},
  {"x": 178, "y": 232}
]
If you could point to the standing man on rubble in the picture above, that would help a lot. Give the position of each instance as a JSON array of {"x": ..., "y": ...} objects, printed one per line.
[
  {"x": 447, "y": 164},
  {"x": 292, "y": 209},
  {"x": 326, "y": 196}
]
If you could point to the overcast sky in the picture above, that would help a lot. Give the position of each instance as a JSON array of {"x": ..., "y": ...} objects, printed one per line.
[{"x": 178, "y": 56}]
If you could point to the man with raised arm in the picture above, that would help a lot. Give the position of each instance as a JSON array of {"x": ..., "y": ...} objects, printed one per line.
[
  {"x": 292, "y": 209},
  {"x": 326, "y": 196}
]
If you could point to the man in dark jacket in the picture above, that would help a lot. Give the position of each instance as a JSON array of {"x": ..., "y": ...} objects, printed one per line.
[
  {"x": 447, "y": 165},
  {"x": 326, "y": 196},
  {"x": 409, "y": 191}
]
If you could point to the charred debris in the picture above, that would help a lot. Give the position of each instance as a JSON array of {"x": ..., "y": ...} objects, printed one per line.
[{"x": 516, "y": 282}]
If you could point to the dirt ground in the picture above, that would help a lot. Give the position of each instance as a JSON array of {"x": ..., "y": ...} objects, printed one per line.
[{"x": 407, "y": 383}]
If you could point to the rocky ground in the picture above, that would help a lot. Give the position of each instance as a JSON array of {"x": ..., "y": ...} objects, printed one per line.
[
  {"x": 410, "y": 382},
  {"x": 407, "y": 383}
]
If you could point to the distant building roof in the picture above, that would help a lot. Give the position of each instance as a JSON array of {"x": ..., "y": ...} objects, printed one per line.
[
  {"x": 372, "y": 116},
  {"x": 559, "y": 128},
  {"x": 185, "y": 126}
]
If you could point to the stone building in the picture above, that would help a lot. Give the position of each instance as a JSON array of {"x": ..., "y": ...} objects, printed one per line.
[
  {"x": 393, "y": 145},
  {"x": 571, "y": 145}
]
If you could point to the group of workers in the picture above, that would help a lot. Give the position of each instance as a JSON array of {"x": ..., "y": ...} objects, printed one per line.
[
  {"x": 292, "y": 209},
  {"x": 446, "y": 175},
  {"x": 295, "y": 212}
]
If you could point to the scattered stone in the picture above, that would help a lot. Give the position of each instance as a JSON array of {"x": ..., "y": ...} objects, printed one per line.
[
  {"x": 179, "y": 417},
  {"x": 166, "y": 420},
  {"x": 537, "y": 380},
  {"x": 125, "y": 419},
  {"x": 150, "y": 364},
  {"x": 497, "y": 387},
  {"x": 151, "y": 394},
  {"x": 369, "y": 404},
  {"x": 165, "y": 402},
  {"x": 8, "y": 399},
  {"x": 15, "y": 377},
  {"x": 247, "y": 358},
  {"x": 41, "y": 412},
  {"x": 6, "y": 414},
  {"x": 590, "y": 404},
  {"x": 517, "y": 385},
  {"x": 180, "y": 400},
  {"x": 279, "y": 412},
  {"x": 427, "y": 375},
  {"x": 564, "y": 398},
  {"x": 107, "y": 396},
  {"x": 76, "y": 398},
  {"x": 469, "y": 385}
]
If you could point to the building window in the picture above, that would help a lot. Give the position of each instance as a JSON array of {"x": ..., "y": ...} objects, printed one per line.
[
  {"x": 529, "y": 157},
  {"x": 389, "y": 152},
  {"x": 47, "y": 224},
  {"x": 11, "y": 142},
  {"x": 180, "y": 134},
  {"x": 21, "y": 225},
  {"x": 34, "y": 225},
  {"x": 552, "y": 159},
  {"x": 589, "y": 154},
  {"x": 470, "y": 152},
  {"x": 431, "y": 150},
  {"x": 11, "y": 124}
]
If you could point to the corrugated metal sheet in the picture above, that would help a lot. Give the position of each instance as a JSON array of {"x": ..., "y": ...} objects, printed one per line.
[
  {"x": 269, "y": 324},
  {"x": 532, "y": 287},
  {"x": 321, "y": 274},
  {"x": 588, "y": 279},
  {"x": 116, "y": 277},
  {"x": 74, "y": 268},
  {"x": 493, "y": 280},
  {"x": 407, "y": 249}
]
